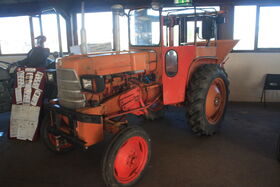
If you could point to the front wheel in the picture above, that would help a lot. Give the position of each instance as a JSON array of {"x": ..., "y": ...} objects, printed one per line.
[
  {"x": 127, "y": 157},
  {"x": 54, "y": 143},
  {"x": 207, "y": 98}
]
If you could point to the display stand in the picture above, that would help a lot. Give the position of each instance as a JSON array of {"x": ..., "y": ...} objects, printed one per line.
[{"x": 27, "y": 102}]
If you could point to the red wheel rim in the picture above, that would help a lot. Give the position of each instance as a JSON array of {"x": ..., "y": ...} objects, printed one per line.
[
  {"x": 131, "y": 159},
  {"x": 215, "y": 101}
]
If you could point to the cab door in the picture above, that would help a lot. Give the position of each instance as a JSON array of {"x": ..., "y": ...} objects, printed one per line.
[{"x": 176, "y": 63}]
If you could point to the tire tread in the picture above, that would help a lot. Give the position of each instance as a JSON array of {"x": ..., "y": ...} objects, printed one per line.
[{"x": 196, "y": 97}]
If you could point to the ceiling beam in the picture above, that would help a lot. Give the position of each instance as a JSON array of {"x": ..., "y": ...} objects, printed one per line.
[{"x": 31, "y": 7}]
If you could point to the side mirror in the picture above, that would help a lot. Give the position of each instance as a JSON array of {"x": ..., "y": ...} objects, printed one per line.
[{"x": 208, "y": 28}]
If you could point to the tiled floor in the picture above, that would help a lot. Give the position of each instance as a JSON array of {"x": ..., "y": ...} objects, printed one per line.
[{"x": 241, "y": 155}]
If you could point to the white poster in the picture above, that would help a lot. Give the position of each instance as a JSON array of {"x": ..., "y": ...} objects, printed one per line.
[
  {"x": 24, "y": 118},
  {"x": 24, "y": 121}
]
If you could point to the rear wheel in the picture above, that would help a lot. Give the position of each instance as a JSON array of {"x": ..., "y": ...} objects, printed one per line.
[
  {"x": 207, "y": 98},
  {"x": 126, "y": 157},
  {"x": 54, "y": 143}
]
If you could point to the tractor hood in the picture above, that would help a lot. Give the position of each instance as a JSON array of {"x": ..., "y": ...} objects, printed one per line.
[{"x": 109, "y": 63}]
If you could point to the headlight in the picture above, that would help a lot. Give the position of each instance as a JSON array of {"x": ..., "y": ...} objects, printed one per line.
[
  {"x": 87, "y": 84},
  {"x": 50, "y": 76},
  {"x": 93, "y": 83}
]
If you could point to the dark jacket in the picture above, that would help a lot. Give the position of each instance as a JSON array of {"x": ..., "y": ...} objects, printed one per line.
[{"x": 36, "y": 58}]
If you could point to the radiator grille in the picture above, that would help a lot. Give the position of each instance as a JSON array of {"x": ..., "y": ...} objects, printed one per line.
[{"x": 69, "y": 89}]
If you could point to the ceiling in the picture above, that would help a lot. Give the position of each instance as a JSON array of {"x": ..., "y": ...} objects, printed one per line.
[{"x": 30, "y": 7}]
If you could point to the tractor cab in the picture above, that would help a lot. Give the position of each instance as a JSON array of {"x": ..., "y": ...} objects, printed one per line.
[
  {"x": 173, "y": 26},
  {"x": 190, "y": 26},
  {"x": 179, "y": 37}
]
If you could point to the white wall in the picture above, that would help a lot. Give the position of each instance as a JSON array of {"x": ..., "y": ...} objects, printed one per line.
[{"x": 246, "y": 73}]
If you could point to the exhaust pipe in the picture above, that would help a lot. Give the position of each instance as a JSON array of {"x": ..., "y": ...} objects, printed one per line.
[
  {"x": 83, "y": 31},
  {"x": 117, "y": 10}
]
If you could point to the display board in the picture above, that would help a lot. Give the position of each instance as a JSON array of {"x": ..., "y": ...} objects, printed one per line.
[{"x": 27, "y": 102}]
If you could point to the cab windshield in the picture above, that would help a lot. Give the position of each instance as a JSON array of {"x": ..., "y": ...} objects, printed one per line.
[{"x": 144, "y": 27}]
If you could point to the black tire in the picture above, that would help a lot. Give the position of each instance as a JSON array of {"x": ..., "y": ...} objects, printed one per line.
[
  {"x": 44, "y": 134},
  {"x": 197, "y": 92},
  {"x": 118, "y": 142},
  {"x": 278, "y": 149}
]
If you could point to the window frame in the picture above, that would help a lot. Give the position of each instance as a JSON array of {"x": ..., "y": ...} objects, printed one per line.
[
  {"x": 31, "y": 35},
  {"x": 257, "y": 23}
]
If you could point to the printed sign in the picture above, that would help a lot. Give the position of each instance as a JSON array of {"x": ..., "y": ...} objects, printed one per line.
[
  {"x": 24, "y": 120},
  {"x": 28, "y": 79},
  {"x": 20, "y": 79},
  {"x": 37, "y": 80},
  {"x": 18, "y": 95},
  {"x": 36, "y": 97},
  {"x": 27, "y": 95}
]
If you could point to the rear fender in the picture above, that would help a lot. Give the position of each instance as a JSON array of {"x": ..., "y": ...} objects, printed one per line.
[{"x": 197, "y": 63}]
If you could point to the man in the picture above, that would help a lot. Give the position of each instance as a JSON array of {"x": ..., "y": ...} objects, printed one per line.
[{"x": 38, "y": 56}]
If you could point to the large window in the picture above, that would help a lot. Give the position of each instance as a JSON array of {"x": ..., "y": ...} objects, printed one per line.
[
  {"x": 244, "y": 27},
  {"x": 98, "y": 27},
  {"x": 269, "y": 27},
  {"x": 15, "y": 35},
  {"x": 257, "y": 27},
  {"x": 50, "y": 30},
  {"x": 16, "y": 32}
]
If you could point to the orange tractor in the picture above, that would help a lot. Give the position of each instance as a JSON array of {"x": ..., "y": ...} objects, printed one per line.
[{"x": 174, "y": 59}]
